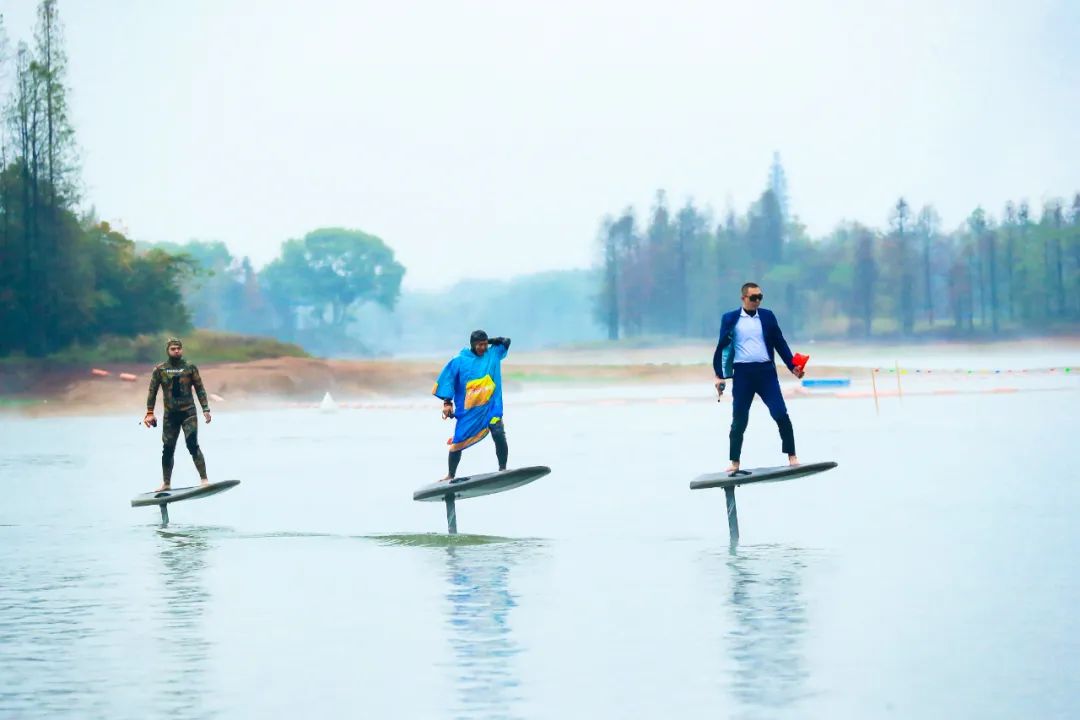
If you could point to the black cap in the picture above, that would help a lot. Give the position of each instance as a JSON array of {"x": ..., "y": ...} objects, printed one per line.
[{"x": 477, "y": 336}]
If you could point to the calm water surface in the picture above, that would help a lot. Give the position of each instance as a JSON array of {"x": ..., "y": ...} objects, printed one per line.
[{"x": 934, "y": 574}]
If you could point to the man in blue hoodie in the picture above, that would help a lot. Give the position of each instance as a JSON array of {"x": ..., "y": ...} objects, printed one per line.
[
  {"x": 470, "y": 387},
  {"x": 749, "y": 339}
]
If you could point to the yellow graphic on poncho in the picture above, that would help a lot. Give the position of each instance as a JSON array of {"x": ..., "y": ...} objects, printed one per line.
[{"x": 478, "y": 392}]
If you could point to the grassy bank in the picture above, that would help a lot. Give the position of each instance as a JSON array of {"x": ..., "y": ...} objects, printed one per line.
[
  {"x": 22, "y": 377},
  {"x": 202, "y": 346}
]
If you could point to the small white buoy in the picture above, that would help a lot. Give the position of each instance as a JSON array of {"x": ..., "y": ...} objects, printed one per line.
[{"x": 327, "y": 404}]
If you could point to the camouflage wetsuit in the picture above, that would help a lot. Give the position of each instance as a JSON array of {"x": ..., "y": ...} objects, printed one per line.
[{"x": 176, "y": 380}]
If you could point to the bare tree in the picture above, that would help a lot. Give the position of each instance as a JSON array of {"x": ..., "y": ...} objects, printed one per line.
[
  {"x": 928, "y": 224},
  {"x": 902, "y": 270}
]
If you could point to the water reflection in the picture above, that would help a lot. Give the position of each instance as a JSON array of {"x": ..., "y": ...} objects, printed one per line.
[
  {"x": 479, "y": 604},
  {"x": 767, "y": 638},
  {"x": 178, "y": 613},
  {"x": 30, "y": 461},
  {"x": 46, "y": 624}
]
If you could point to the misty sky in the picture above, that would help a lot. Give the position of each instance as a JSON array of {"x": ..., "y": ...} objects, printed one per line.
[{"x": 487, "y": 139}]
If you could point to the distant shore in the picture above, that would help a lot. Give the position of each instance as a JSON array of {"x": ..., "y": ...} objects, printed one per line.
[
  {"x": 75, "y": 389},
  {"x": 278, "y": 381}
]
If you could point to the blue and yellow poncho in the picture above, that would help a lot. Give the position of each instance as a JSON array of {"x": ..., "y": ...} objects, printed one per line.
[{"x": 474, "y": 383}]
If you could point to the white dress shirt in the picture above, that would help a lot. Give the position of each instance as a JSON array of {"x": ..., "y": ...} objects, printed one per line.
[{"x": 749, "y": 339}]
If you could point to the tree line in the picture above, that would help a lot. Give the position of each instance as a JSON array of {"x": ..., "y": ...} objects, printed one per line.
[
  {"x": 67, "y": 278},
  {"x": 64, "y": 278},
  {"x": 307, "y": 295},
  {"x": 672, "y": 274}
]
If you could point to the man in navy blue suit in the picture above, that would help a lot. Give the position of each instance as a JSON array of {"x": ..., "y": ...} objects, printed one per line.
[{"x": 749, "y": 339}]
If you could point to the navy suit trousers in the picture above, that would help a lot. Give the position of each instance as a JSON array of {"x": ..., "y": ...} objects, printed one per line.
[{"x": 758, "y": 379}]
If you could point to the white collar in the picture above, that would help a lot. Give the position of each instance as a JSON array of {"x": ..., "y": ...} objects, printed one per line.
[{"x": 755, "y": 316}]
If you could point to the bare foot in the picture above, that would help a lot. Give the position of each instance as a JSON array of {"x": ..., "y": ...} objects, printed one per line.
[
  {"x": 792, "y": 460},
  {"x": 502, "y": 469},
  {"x": 164, "y": 486},
  {"x": 448, "y": 478},
  {"x": 204, "y": 482},
  {"x": 733, "y": 467}
]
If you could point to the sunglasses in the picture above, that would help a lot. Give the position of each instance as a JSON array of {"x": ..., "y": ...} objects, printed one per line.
[{"x": 755, "y": 298}]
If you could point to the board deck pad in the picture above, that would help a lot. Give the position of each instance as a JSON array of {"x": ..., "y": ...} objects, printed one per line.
[
  {"x": 758, "y": 475},
  {"x": 485, "y": 484},
  {"x": 185, "y": 493}
]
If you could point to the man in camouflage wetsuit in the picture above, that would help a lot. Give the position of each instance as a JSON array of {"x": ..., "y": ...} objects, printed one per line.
[{"x": 176, "y": 377}]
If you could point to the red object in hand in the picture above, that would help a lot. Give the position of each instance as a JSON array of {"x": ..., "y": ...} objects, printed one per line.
[{"x": 799, "y": 361}]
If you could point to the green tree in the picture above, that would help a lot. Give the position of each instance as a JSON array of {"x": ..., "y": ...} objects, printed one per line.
[
  {"x": 135, "y": 292},
  {"x": 330, "y": 270},
  {"x": 1052, "y": 229},
  {"x": 1030, "y": 267},
  {"x": 982, "y": 238},
  {"x": 961, "y": 289},
  {"x": 1073, "y": 254},
  {"x": 50, "y": 68},
  {"x": 864, "y": 280},
  {"x": 212, "y": 291},
  {"x": 634, "y": 277},
  {"x": 688, "y": 273},
  {"x": 252, "y": 318},
  {"x": 927, "y": 229},
  {"x": 778, "y": 185},
  {"x": 63, "y": 280},
  {"x": 654, "y": 287},
  {"x": 41, "y": 233},
  {"x": 1008, "y": 232},
  {"x": 607, "y": 303},
  {"x": 766, "y": 233},
  {"x": 900, "y": 265}
]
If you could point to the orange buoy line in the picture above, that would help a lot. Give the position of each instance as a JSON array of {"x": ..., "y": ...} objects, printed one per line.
[
  {"x": 125, "y": 376},
  {"x": 1065, "y": 370}
]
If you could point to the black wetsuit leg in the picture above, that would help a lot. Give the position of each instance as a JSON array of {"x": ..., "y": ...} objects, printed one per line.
[{"x": 502, "y": 450}]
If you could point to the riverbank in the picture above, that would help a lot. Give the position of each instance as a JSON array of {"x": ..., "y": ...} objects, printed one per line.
[
  {"x": 121, "y": 387},
  {"x": 275, "y": 381}
]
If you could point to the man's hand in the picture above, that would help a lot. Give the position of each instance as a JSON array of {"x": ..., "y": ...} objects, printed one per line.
[
  {"x": 149, "y": 420},
  {"x": 447, "y": 409},
  {"x": 720, "y": 386},
  {"x": 206, "y": 416},
  {"x": 798, "y": 372},
  {"x": 497, "y": 341}
]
